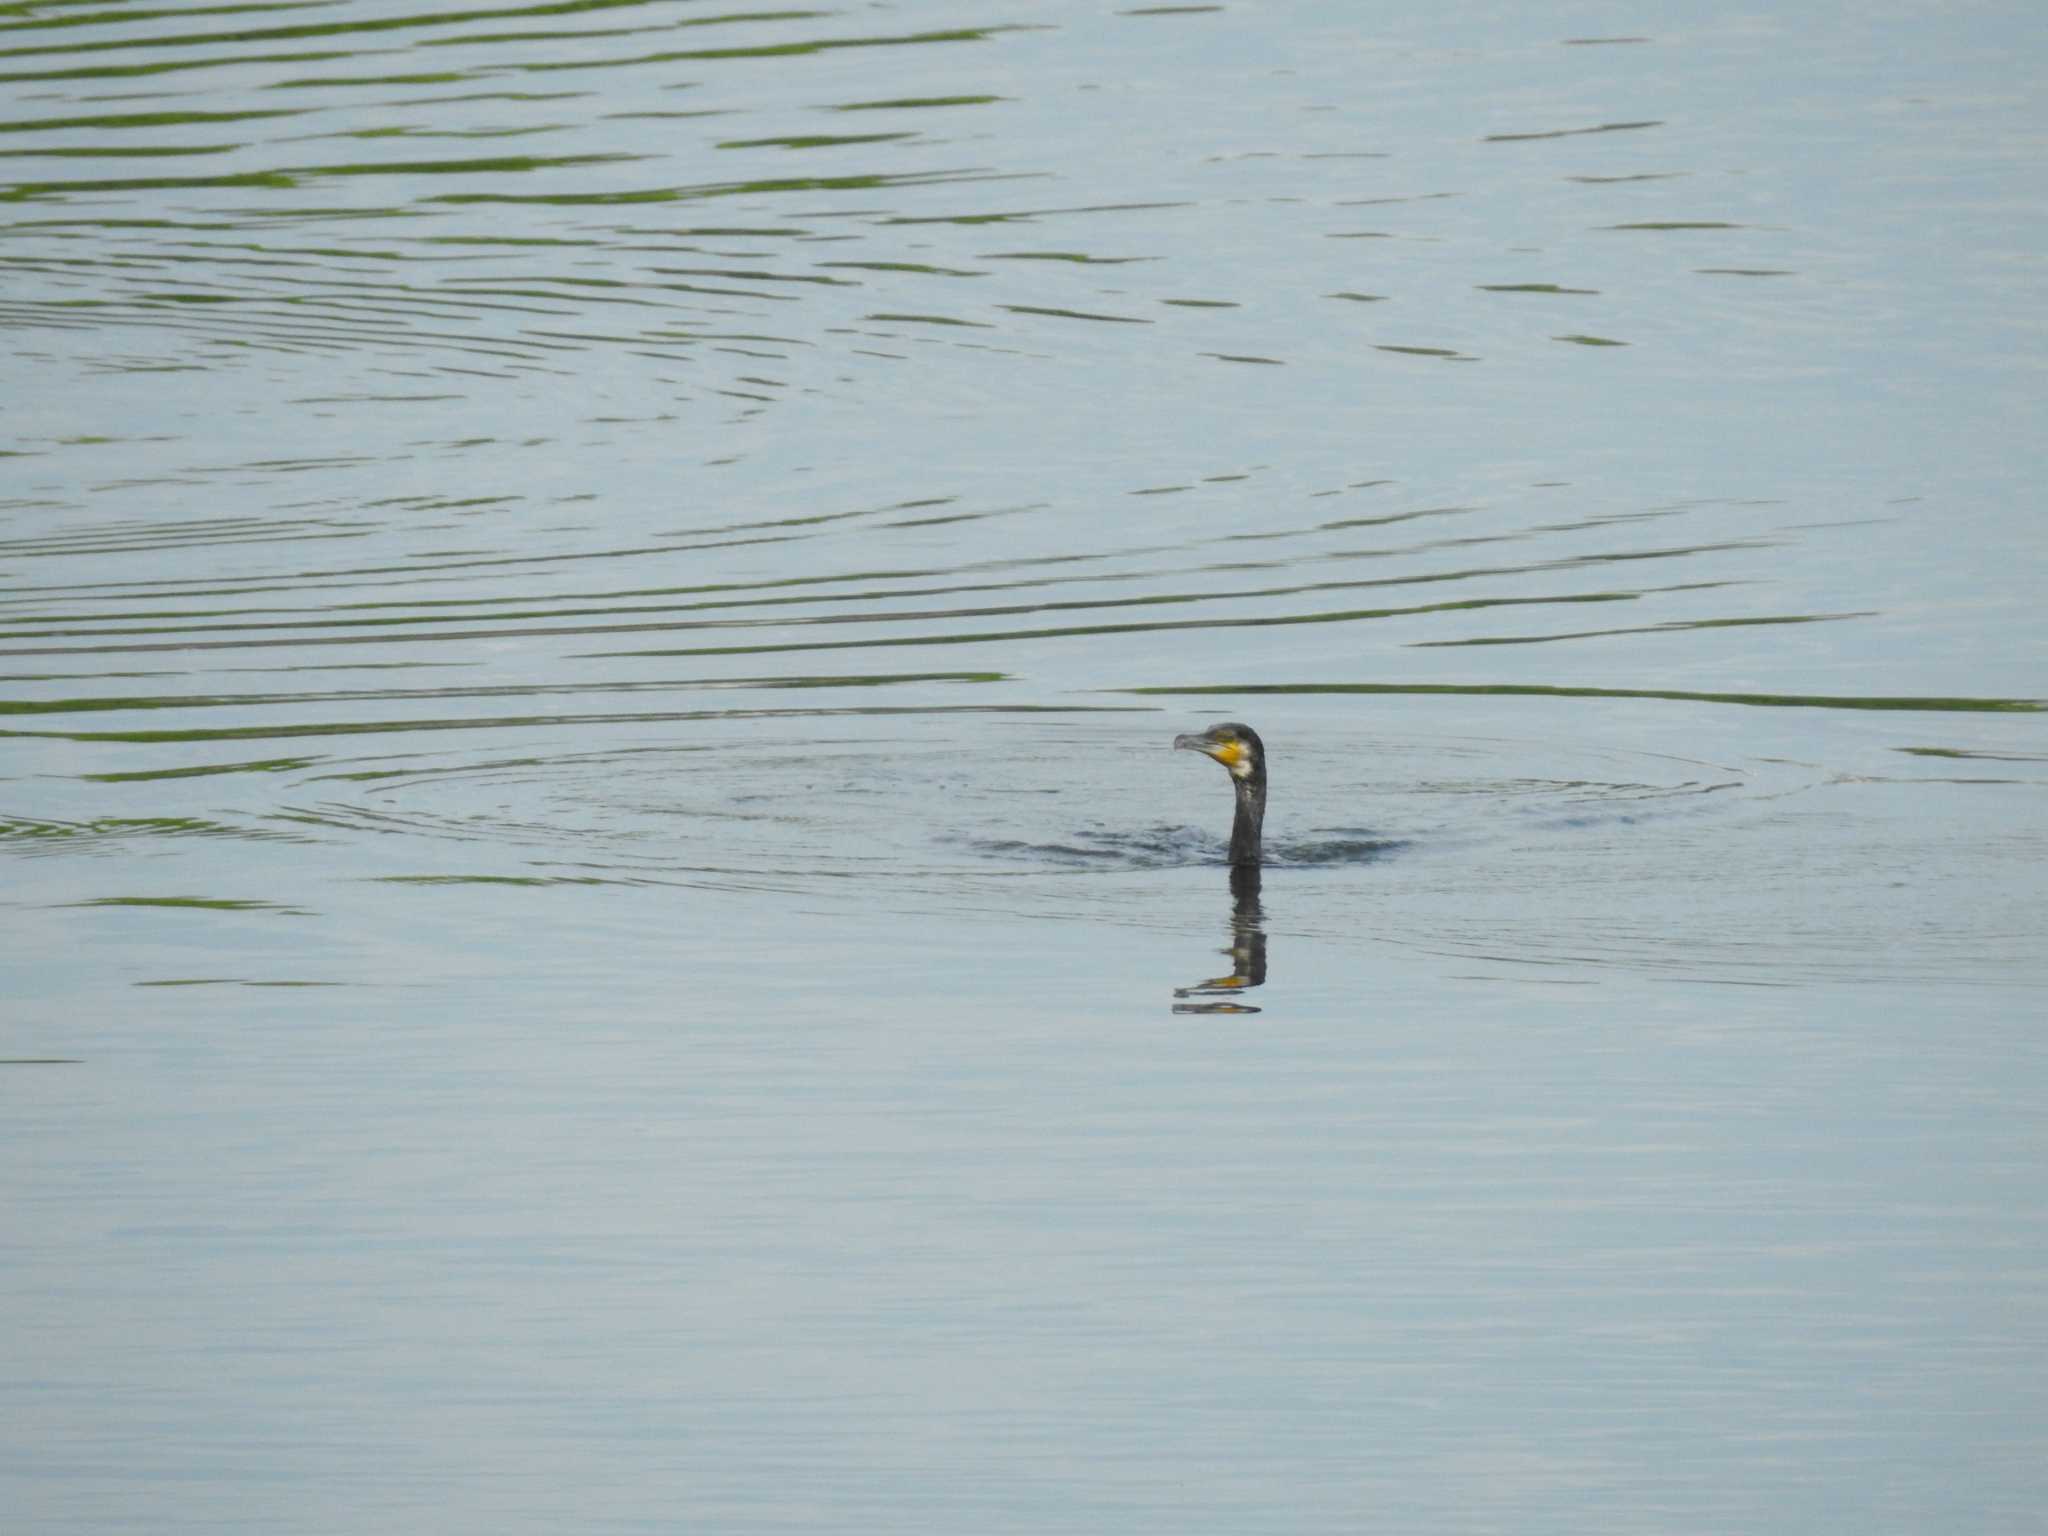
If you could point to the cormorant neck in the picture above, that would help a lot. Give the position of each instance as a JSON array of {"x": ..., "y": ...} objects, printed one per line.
[{"x": 1247, "y": 827}]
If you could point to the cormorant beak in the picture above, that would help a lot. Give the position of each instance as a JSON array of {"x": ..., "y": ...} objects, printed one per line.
[{"x": 1228, "y": 753}]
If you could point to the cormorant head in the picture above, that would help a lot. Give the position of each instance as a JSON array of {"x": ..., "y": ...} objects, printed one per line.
[{"x": 1237, "y": 747}]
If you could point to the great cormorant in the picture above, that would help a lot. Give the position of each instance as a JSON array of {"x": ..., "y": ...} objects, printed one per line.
[{"x": 1238, "y": 748}]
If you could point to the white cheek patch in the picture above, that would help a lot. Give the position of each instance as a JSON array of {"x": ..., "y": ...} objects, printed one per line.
[{"x": 1242, "y": 768}]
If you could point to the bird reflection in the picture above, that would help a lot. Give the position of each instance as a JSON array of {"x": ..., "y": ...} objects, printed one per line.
[{"x": 1247, "y": 951}]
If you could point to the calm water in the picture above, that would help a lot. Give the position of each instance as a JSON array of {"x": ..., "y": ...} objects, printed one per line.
[{"x": 602, "y": 932}]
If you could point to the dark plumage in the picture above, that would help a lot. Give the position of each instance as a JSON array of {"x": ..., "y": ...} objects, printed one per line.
[{"x": 1238, "y": 748}]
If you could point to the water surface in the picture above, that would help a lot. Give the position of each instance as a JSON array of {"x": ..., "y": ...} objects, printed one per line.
[{"x": 603, "y": 928}]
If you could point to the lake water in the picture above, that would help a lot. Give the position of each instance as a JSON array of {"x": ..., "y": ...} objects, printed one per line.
[{"x": 602, "y": 929}]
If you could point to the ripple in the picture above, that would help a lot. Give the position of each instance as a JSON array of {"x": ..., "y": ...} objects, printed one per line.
[{"x": 917, "y": 799}]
